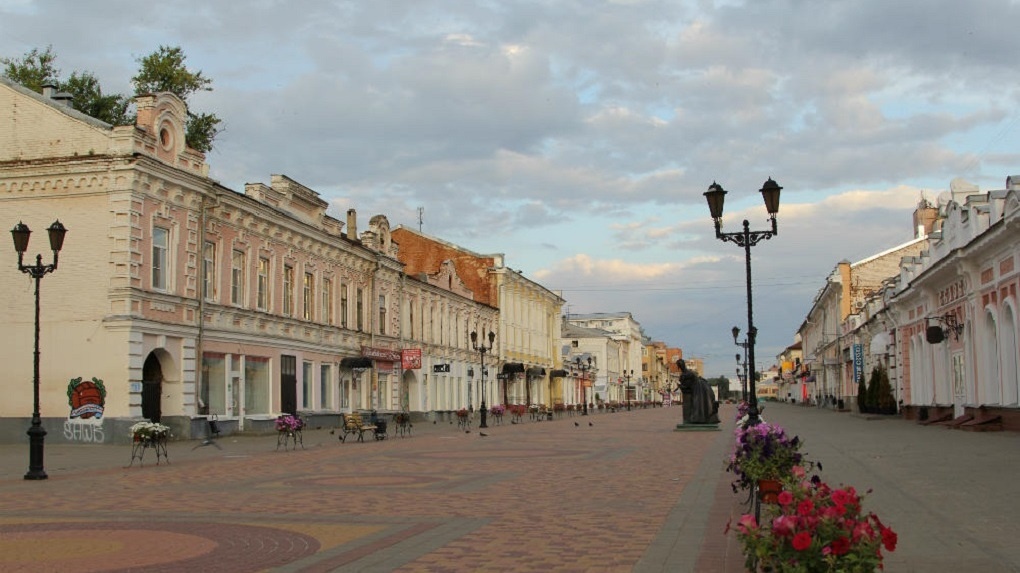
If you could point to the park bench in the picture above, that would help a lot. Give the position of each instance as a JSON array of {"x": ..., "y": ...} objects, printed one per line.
[{"x": 353, "y": 424}]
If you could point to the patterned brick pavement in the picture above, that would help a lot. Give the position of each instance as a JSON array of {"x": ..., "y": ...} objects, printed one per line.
[{"x": 552, "y": 496}]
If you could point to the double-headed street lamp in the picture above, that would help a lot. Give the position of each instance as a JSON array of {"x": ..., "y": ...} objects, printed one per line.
[
  {"x": 736, "y": 333},
  {"x": 36, "y": 433},
  {"x": 584, "y": 368},
  {"x": 482, "y": 349},
  {"x": 716, "y": 196}
]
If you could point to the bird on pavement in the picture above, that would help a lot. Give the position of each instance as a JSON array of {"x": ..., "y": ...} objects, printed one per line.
[
  {"x": 483, "y": 434},
  {"x": 576, "y": 424},
  {"x": 590, "y": 424}
]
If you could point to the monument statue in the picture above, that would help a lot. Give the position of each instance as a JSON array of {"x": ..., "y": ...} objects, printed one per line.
[{"x": 699, "y": 404}]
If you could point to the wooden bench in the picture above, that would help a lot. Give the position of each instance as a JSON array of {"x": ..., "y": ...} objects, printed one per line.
[{"x": 353, "y": 424}]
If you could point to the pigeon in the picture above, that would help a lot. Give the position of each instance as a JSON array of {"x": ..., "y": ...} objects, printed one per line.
[
  {"x": 576, "y": 424},
  {"x": 467, "y": 431},
  {"x": 590, "y": 424},
  {"x": 483, "y": 434}
]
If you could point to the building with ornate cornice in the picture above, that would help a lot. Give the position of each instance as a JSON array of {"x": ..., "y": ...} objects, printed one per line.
[
  {"x": 528, "y": 319},
  {"x": 177, "y": 299}
]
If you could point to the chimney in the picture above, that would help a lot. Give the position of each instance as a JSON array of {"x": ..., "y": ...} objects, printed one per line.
[
  {"x": 352, "y": 224},
  {"x": 925, "y": 216},
  {"x": 48, "y": 90}
]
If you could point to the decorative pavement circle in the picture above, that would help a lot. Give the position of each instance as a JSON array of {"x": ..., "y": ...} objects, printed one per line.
[{"x": 108, "y": 546}]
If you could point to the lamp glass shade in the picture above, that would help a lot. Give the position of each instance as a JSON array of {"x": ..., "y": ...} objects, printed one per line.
[
  {"x": 736, "y": 333},
  {"x": 492, "y": 338},
  {"x": 474, "y": 338},
  {"x": 57, "y": 232},
  {"x": 715, "y": 196},
  {"x": 20, "y": 233},
  {"x": 770, "y": 193}
]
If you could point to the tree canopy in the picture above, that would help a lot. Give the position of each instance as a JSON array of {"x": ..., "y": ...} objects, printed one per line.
[{"x": 161, "y": 71}]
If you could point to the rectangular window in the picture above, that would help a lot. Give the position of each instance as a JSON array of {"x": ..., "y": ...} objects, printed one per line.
[
  {"x": 262, "y": 298},
  {"x": 237, "y": 283},
  {"x": 343, "y": 305},
  {"x": 382, "y": 314},
  {"x": 325, "y": 377},
  {"x": 160, "y": 247},
  {"x": 359, "y": 310},
  {"x": 288, "y": 290},
  {"x": 327, "y": 301},
  {"x": 309, "y": 296},
  {"x": 209, "y": 270},
  {"x": 306, "y": 385}
]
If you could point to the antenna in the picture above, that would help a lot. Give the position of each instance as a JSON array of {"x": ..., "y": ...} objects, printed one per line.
[{"x": 421, "y": 217}]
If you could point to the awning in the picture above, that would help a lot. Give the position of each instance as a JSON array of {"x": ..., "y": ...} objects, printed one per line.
[
  {"x": 513, "y": 368},
  {"x": 880, "y": 343},
  {"x": 558, "y": 373},
  {"x": 355, "y": 362},
  {"x": 536, "y": 371}
]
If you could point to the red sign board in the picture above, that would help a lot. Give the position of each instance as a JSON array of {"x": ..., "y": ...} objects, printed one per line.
[{"x": 410, "y": 358}]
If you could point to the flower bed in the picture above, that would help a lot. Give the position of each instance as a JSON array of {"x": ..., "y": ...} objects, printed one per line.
[
  {"x": 288, "y": 423},
  {"x": 815, "y": 528},
  {"x": 149, "y": 431}
]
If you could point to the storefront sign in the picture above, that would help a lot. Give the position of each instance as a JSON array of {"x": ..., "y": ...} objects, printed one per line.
[
  {"x": 410, "y": 358},
  {"x": 858, "y": 362},
  {"x": 380, "y": 354}
]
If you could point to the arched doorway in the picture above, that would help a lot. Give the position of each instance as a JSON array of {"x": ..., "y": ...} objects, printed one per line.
[{"x": 152, "y": 388}]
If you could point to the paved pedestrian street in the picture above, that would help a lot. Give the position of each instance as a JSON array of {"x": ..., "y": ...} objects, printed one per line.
[{"x": 626, "y": 493}]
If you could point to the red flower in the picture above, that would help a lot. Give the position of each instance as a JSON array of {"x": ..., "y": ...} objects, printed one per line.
[
  {"x": 889, "y": 539},
  {"x": 841, "y": 546},
  {"x": 805, "y": 507},
  {"x": 802, "y": 541}
]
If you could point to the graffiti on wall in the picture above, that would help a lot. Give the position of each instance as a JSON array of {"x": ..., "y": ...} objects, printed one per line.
[{"x": 87, "y": 400}]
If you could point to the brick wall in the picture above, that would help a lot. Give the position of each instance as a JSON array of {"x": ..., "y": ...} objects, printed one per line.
[{"x": 421, "y": 254}]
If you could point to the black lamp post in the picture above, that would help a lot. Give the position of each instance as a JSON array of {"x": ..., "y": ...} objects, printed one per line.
[
  {"x": 716, "y": 196},
  {"x": 482, "y": 349},
  {"x": 584, "y": 368},
  {"x": 736, "y": 332},
  {"x": 626, "y": 396},
  {"x": 36, "y": 433}
]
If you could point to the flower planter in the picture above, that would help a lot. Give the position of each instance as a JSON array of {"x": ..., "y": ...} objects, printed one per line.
[{"x": 768, "y": 490}]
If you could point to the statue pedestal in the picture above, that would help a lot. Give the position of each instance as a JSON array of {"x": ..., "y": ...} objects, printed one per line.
[{"x": 697, "y": 428}]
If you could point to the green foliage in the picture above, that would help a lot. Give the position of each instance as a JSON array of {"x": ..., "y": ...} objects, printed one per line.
[
  {"x": 33, "y": 70},
  {"x": 164, "y": 71},
  {"x": 88, "y": 98},
  {"x": 885, "y": 402},
  {"x": 863, "y": 405}
]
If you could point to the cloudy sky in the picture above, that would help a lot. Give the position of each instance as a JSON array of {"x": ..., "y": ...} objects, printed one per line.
[{"x": 577, "y": 137}]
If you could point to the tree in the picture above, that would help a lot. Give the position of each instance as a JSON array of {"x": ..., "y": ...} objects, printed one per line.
[
  {"x": 164, "y": 71},
  {"x": 862, "y": 396},
  {"x": 36, "y": 69},
  {"x": 88, "y": 98},
  {"x": 33, "y": 70}
]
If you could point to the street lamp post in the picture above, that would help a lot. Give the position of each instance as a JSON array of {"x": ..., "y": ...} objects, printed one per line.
[
  {"x": 584, "y": 368},
  {"x": 736, "y": 332},
  {"x": 482, "y": 349},
  {"x": 716, "y": 196},
  {"x": 626, "y": 396},
  {"x": 36, "y": 433}
]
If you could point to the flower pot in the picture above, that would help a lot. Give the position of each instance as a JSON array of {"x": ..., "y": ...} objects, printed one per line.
[{"x": 768, "y": 490}]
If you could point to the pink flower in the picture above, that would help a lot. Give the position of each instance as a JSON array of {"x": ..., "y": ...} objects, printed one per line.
[
  {"x": 784, "y": 525},
  {"x": 785, "y": 498},
  {"x": 746, "y": 522},
  {"x": 798, "y": 472},
  {"x": 802, "y": 541}
]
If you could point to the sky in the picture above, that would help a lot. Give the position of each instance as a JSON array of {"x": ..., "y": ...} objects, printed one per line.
[{"x": 577, "y": 137}]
